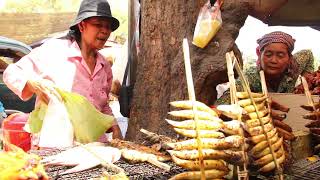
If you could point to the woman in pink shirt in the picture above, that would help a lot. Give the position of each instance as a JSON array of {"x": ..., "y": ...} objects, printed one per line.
[{"x": 72, "y": 63}]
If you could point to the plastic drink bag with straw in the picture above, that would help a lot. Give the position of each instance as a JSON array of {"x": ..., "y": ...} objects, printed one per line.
[{"x": 208, "y": 23}]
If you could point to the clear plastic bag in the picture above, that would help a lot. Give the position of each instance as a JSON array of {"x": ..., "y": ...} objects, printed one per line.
[{"x": 208, "y": 24}]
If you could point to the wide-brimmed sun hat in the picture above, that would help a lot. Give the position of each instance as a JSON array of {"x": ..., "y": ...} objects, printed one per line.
[{"x": 95, "y": 8}]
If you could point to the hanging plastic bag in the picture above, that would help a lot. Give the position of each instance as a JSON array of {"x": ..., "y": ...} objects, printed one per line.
[{"x": 208, "y": 24}]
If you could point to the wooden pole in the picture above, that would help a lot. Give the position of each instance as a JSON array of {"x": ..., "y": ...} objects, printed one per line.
[
  {"x": 192, "y": 97},
  {"x": 248, "y": 90},
  {"x": 242, "y": 174}
]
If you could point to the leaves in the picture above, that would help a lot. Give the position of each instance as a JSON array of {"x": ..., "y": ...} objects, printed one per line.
[{"x": 36, "y": 117}]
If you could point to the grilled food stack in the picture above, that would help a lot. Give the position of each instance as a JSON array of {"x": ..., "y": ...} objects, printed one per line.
[
  {"x": 314, "y": 124},
  {"x": 220, "y": 141},
  {"x": 259, "y": 152}
]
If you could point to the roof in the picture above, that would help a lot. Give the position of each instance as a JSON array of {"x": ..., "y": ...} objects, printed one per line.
[{"x": 296, "y": 13}]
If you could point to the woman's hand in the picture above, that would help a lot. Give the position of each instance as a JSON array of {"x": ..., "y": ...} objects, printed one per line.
[
  {"x": 43, "y": 89},
  {"x": 116, "y": 132}
]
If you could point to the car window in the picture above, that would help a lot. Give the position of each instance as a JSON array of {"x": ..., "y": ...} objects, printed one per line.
[{"x": 4, "y": 62}]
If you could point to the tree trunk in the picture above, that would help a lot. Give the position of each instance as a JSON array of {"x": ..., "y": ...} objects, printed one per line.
[{"x": 160, "y": 71}]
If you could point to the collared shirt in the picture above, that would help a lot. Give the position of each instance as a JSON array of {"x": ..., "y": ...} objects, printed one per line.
[{"x": 60, "y": 61}]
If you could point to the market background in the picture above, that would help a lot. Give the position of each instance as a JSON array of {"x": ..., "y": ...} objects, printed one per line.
[{"x": 32, "y": 20}]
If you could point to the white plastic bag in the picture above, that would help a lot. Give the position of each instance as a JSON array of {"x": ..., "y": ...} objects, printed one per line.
[{"x": 57, "y": 130}]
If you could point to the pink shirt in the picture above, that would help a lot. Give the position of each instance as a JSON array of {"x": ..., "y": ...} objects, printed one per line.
[{"x": 60, "y": 61}]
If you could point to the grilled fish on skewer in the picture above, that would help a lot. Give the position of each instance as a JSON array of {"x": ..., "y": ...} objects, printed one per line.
[
  {"x": 195, "y": 165},
  {"x": 226, "y": 143},
  {"x": 209, "y": 174},
  {"x": 262, "y": 137},
  {"x": 268, "y": 158},
  {"x": 189, "y": 114},
  {"x": 137, "y": 156},
  {"x": 250, "y": 108},
  {"x": 285, "y": 134},
  {"x": 203, "y": 133},
  {"x": 245, "y": 95},
  {"x": 189, "y": 104},
  {"x": 190, "y": 124},
  {"x": 258, "y": 130},
  {"x": 255, "y": 115},
  {"x": 276, "y": 106},
  {"x": 88, "y": 159},
  {"x": 227, "y": 155},
  {"x": 315, "y": 130},
  {"x": 264, "y": 144},
  {"x": 271, "y": 165},
  {"x": 229, "y": 127},
  {"x": 278, "y": 116},
  {"x": 255, "y": 122},
  {"x": 313, "y": 124},
  {"x": 282, "y": 125},
  {"x": 312, "y": 115},
  {"x": 156, "y": 138},
  {"x": 231, "y": 111},
  {"x": 310, "y": 108},
  {"x": 121, "y": 144},
  {"x": 266, "y": 151},
  {"x": 247, "y": 102}
]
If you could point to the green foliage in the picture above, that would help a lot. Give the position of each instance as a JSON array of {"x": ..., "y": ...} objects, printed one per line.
[
  {"x": 248, "y": 61},
  {"x": 316, "y": 63}
]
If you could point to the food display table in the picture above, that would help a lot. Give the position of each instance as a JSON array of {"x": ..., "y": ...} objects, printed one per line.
[{"x": 133, "y": 171}]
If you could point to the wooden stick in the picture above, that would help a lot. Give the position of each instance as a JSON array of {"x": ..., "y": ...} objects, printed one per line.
[
  {"x": 192, "y": 97},
  {"x": 107, "y": 165},
  {"x": 242, "y": 174},
  {"x": 307, "y": 92},
  {"x": 265, "y": 89},
  {"x": 265, "y": 92},
  {"x": 248, "y": 90}
]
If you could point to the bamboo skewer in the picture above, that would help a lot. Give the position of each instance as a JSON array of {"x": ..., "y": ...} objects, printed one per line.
[
  {"x": 107, "y": 165},
  {"x": 307, "y": 92},
  {"x": 192, "y": 97},
  {"x": 247, "y": 89},
  {"x": 234, "y": 100},
  {"x": 265, "y": 91}
]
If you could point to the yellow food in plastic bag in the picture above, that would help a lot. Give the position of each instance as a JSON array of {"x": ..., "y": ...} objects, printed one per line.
[
  {"x": 17, "y": 164},
  {"x": 207, "y": 30},
  {"x": 88, "y": 123}
]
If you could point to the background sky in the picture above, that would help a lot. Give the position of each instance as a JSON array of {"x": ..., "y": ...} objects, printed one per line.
[{"x": 306, "y": 37}]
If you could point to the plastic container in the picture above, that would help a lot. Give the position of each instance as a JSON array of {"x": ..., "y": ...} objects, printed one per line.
[{"x": 13, "y": 133}]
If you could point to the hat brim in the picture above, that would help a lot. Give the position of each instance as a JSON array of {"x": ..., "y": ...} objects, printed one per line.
[{"x": 114, "y": 21}]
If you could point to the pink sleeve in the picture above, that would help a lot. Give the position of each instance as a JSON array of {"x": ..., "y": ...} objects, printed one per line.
[
  {"x": 16, "y": 75},
  {"x": 106, "y": 109}
]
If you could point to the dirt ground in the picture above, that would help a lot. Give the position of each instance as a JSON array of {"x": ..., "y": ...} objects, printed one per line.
[{"x": 31, "y": 27}]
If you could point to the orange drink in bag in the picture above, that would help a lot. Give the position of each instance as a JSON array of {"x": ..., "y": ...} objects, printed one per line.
[
  {"x": 208, "y": 24},
  {"x": 207, "y": 30}
]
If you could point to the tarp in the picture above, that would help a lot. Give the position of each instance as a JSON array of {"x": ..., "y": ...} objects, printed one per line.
[{"x": 296, "y": 13}]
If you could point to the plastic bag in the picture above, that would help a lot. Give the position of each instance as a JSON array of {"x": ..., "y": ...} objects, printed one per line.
[
  {"x": 57, "y": 130},
  {"x": 208, "y": 23}
]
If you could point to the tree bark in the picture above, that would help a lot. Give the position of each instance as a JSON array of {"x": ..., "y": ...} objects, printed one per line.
[{"x": 160, "y": 72}]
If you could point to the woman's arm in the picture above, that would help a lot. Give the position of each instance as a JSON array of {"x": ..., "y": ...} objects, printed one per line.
[{"x": 18, "y": 74}]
